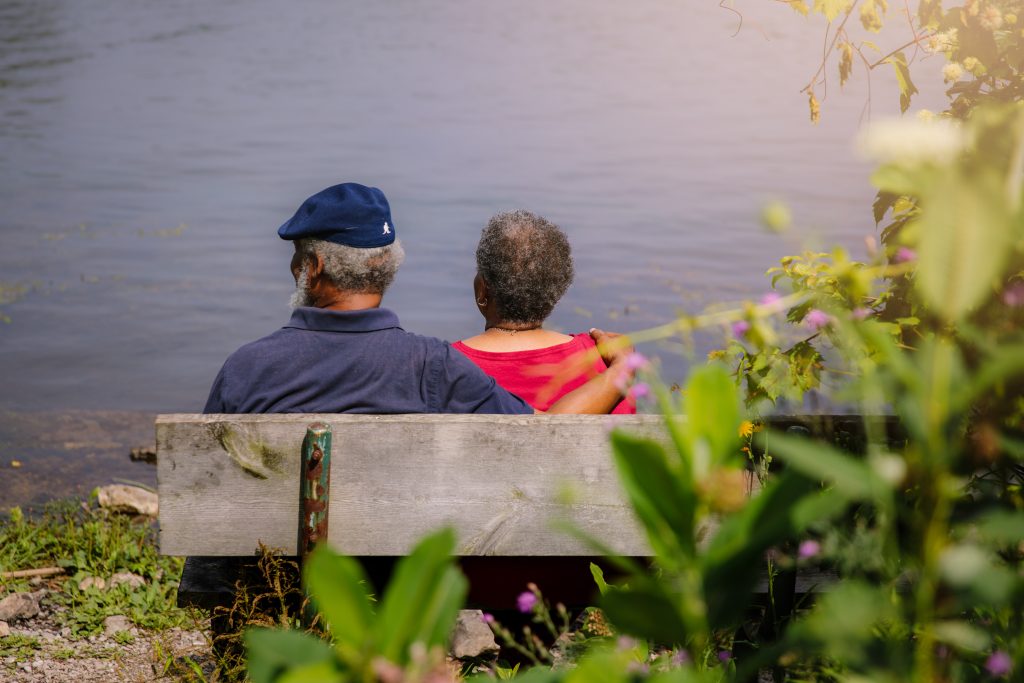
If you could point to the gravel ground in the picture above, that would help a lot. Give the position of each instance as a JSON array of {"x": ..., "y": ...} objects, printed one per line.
[{"x": 172, "y": 655}]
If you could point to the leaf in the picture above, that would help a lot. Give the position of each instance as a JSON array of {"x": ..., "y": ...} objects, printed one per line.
[
  {"x": 964, "y": 242},
  {"x": 665, "y": 508},
  {"x": 712, "y": 412},
  {"x": 883, "y": 202},
  {"x": 799, "y": 6},
  {"x": 845, "y": 62},
  {"x": 843, "y": 622},
  {"x": 336, "y": 583},
  {"x": 962, "y": 635},
  {"x": 815, "y": 107},
  {"x": 831, "y": 8},
  {"x": 422, "y": 600},
  {"x": 907, "y": 88},
  {"x": 272, "y": 652},
  {"x": 734, "y": 558},
  {"x": 598, "y": 575},
  {"x": 1002, "y": 526},
  {"x": 645, "y": 610},
  {"x": 850, "y": 477},
  {"x": 322, "y": 672}
]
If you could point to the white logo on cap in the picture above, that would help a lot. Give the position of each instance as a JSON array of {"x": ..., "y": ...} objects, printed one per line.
[{"x": 387, "y": 230}]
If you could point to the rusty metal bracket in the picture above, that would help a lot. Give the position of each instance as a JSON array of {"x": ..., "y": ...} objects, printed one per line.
[{"x": 315, "y": 487}]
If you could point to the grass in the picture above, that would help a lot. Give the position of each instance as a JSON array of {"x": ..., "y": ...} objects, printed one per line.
[
  {"x": 85, "y": 540},
  {"x": 18, "y": 646}
]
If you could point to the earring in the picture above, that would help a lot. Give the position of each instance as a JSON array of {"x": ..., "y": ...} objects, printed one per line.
[{"x": 481, "y": 302}]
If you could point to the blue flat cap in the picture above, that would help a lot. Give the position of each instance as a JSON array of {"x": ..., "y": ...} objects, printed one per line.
[{"x": 351, "y": 214}]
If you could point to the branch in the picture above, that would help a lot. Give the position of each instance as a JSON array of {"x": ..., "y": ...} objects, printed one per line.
[{"x": 831, "y": 48}]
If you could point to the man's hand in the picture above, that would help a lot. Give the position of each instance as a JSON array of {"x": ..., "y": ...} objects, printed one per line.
[{"x": 613, "y": 348}]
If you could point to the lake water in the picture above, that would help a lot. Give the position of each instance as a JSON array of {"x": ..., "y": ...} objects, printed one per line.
[{"x": 149, "y": 151}]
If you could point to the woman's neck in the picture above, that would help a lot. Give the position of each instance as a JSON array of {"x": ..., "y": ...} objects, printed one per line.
[{"x": 500, "y": 337}]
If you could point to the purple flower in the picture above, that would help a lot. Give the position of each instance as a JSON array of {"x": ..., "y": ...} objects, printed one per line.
[
  {"x": 724, "y": 656},
  {"x": 860, "y": 313},
  {"x": 1013, "y": 296},
  {"x": 771, "y": 300},
  {"x": 999, "y": 664},
  {"x": 681, "y": 657},
  {"x": 526, "y": 602},
  {"x": 487, "y": 618},
  {"x": 625, "y": 643},
  {"x": 636, "y": 361},
  {"x": 809, "y": 549},
  {"x": 816, "y": 319},
  {"x": 740, "y": 328},
  {"x": 905, "y": 255},
  {"x": 640, "y": 389}
]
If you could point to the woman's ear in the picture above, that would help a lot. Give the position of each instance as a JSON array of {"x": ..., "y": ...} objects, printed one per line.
[{"x": 481, "y": 292}]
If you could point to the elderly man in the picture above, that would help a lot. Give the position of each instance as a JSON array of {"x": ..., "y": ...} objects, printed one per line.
[{"x": 342, "y": 353}]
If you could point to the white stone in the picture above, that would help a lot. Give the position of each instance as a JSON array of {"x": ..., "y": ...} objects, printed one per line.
[
  {"x": 130, "y": 499},
  {"x": 5, "y": 630},
  {"x": 19, "y": 606},
  {"x": 116, "y": 623},
  {"x": 92, "y": 582},
  {"x": 472, "y": 636},
  {"x": 133, "y": 580}
]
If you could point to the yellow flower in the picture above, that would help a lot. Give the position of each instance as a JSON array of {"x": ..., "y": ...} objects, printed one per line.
[
  {"x": 952, "y": 72},
  {"x": 746, "y": 429}
]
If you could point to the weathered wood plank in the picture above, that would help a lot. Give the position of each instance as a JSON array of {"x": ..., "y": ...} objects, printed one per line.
[{"x": 228, "y": 482}]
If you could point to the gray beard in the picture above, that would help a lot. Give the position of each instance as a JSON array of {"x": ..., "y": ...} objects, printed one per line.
[{"x": 300, "y": 297}]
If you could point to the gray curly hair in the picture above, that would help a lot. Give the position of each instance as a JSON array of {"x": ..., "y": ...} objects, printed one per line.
[
  {"x": 526, "y": 261},
  {"x": 368, "y": 271}
]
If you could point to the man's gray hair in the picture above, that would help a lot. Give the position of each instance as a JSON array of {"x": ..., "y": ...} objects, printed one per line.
[
  {"x": 527, "y": 263},
  {"x": 367, "y": 271}
]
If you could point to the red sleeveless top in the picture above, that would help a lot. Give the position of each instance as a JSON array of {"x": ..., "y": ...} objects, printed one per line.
[{"x": 542, "y": 376}]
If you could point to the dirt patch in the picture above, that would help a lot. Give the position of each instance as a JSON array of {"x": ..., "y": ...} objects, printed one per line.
[{"x": 40, "y": 650}]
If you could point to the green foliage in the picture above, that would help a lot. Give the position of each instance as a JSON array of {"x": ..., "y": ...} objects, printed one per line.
[
  {"x": 701, "y": 588},
  {"x": 405, "y": 634},
  {"x": 88, "y": 541},
  {"x": 18, "y": 646}
]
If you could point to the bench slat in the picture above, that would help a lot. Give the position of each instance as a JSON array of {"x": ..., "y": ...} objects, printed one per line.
[{"x": 228, "y": 482}]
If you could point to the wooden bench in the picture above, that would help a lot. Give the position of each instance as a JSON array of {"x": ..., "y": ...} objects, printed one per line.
[{"x": 230, "y": 482}]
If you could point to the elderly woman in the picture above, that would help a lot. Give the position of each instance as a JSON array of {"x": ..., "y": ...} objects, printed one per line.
[{"x": 524, "y": 266}]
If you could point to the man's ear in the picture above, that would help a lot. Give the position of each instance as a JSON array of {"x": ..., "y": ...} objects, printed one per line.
[{"x": 316, "y": 265}]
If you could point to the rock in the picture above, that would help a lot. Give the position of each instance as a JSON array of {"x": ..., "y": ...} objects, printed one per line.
[
  {"x": 114, "y": 624},
  {"x": 472, "y": 636},
  {"x": 130, "y": 499},
  {"x": 92, "y": 582},
  {"x": 19, "y": 606},
  {"x": 144, "y": 454},
  {"x": 133, "y": 580},
  {"x": 5, "y": 630}
]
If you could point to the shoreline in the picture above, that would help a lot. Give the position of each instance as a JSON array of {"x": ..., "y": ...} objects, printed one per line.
[{"x": 52, "y": 455}]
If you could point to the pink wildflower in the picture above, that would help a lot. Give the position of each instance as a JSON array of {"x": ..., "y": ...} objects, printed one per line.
[
  {"x": 999, "y": 664},
  {"x": 860, "y": 313},
  {"x": 487, "y": 618},
  {"x": 526, "y": 602},
  {"x": 816, "y": 319},
  {"x": 808, "y": 549},
  {"x": 740, "y": 328},
  {"x": 771, "y": 300},
  {"x": 1013, "y": 296},
  {"x": 724, "y": 656},
  {"x": 636, "y": 361},
  {"x": 640, "y": 389},
  {"x": 681, "y": 657},
  {"x": 905, "y": 255}
]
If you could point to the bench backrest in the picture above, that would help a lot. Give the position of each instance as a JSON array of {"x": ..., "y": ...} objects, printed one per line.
[{"x": 229, "y": 482}]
